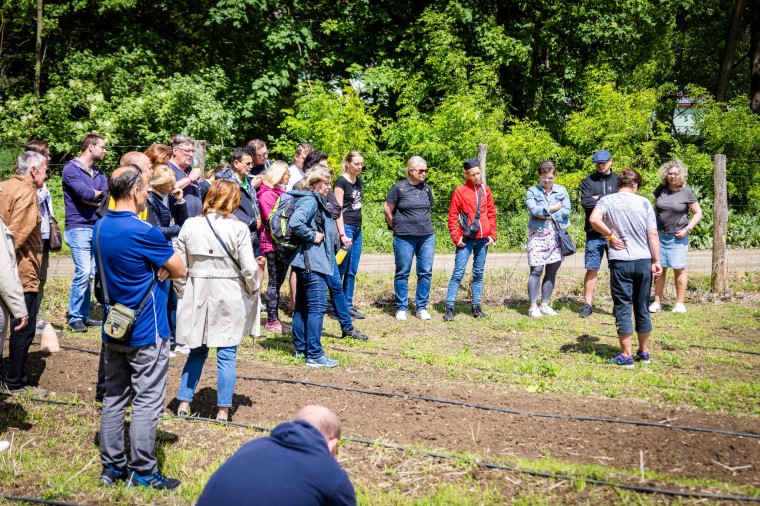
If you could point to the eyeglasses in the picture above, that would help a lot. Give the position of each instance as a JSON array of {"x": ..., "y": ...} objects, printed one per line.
[
  {"x": 262, "y": 155},
  {"x": 673, "y": 174},
  {"x": 546, "y": 179},
  {"x": 138, "y": 174},
  {"x": 101, "y": 146},
  {"x": 422, "y": 171},
  {"x": 187, "y": 151}
]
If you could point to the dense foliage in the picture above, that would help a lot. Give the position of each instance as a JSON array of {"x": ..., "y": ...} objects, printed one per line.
[{"x": 393, "y": 78}]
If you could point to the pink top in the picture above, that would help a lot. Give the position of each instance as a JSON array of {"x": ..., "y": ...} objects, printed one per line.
[{"x": 267, "y": 197}]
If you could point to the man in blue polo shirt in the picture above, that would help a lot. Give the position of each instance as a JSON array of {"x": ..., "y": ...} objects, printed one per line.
[{"x": 131, "y": 254}]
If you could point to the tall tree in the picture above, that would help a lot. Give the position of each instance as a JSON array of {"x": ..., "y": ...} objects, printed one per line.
[{"x": 729, "y": 50}]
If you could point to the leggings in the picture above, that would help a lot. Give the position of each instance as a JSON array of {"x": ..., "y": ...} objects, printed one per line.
[
  {"x": 277, "y": 270},
  {"x": 547, "y": 287}
]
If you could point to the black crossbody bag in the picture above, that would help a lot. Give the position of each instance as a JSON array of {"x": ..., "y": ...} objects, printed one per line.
[{"x": 470, "y": 230}]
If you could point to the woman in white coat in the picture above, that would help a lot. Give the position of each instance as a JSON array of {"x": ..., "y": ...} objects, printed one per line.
[{"x": 219, "y": 300}]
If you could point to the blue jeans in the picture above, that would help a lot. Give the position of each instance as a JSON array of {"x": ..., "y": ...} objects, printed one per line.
[
  {"x": 226, "y": 366},
  {"x": 350, "y": 265},
  {"x": 405, "y": 248},
  {"x": 630, "y": 284},
  {"x": 338, "y": 299},
  {"x": 82, "y": 253},
  {"x": 311, "y": 303},
  {"x": 479, "y": 248}
]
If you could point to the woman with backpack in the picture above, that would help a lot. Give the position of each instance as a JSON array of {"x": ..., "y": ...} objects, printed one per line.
[
  {"x": 313, "y": 227},
  {"x": 273, "y": 183}
]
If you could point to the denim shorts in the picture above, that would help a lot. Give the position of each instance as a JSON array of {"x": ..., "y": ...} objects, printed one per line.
[
  {"x": 595, "y": 249},
  {"x": 673, "y": 250}
]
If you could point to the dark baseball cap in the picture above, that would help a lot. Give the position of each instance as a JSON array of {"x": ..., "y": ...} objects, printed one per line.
[
  {"x": 601, "y": 155},
  {"x": 470, "y": 163}
]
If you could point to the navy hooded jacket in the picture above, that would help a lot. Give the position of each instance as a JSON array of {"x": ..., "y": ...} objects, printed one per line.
[{"x": 290, "y": 467}]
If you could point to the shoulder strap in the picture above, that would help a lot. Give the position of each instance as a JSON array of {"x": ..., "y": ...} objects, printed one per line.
[
  {"x": 478, "y": 200},
  {"x": 223, "y": 245},
  {"x": 103, "y": 277}
]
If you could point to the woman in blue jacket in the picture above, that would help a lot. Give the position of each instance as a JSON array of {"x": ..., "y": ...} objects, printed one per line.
[
  {"x": 313, "y": 264},
  {"x": 549, "y": 207}
]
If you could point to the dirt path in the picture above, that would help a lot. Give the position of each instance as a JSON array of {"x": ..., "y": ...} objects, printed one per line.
[
  {"x": 447, "y": 428},
  {"x": 698, "y": 261}
]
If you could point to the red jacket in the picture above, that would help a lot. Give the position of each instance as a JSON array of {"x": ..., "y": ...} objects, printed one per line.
[{"x": 464, "y": 199}]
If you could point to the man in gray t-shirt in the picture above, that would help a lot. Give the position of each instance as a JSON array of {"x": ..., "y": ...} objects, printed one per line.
[{"x": 628, "y": 223}]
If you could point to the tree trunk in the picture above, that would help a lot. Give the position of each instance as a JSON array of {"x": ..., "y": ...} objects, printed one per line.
[
  {"x": 38, "y": 54},
  {"x": 729, "y": 50},
  {"x": 754, "y": 57}
]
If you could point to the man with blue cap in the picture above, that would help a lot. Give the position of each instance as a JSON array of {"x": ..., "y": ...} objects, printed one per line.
[{"x": 600, "y": 183}]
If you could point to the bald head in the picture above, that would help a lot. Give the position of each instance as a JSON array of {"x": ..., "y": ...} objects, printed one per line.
[
  {"x": 324, "y": 420},
  {"x": 136, "y": 158}
]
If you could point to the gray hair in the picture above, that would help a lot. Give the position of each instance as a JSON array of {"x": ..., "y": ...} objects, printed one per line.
[
  {"x": 180, "y": 139},
  {"x": 679, "y": 166},
  {"x": 415, "y": 162},
  {"x": 27, "y": 160}
]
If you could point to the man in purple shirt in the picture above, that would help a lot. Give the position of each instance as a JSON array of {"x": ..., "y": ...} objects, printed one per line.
[{"x": 83, "y": 187}]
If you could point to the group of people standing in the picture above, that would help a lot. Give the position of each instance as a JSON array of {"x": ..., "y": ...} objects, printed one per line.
[{"x": 185, "y": 251}]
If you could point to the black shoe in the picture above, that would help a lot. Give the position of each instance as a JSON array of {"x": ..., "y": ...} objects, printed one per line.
[
  {"x": 154, "y": 480},
  {"x": 77, "y": 326},
  {"x": 448, "y": 315},
  {"x": 354, "y": 333},
  {"x": 477, "y": 313},
  {"x": 111, "y": 475},
  {"x": 94, "y": 323},
  {"x": 586, "y": 311},
  {"x": 332, "y": 315},
  {"x": 355, "y": 314}
]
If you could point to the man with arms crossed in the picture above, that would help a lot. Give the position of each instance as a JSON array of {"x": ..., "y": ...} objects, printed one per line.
[
  {"x": 83, "y": 187},
  {"x": 597, "y": 185},
  {"x": 131, "y": 254}
]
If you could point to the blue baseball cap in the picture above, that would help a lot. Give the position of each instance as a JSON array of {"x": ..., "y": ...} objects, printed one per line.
[{"x": 601, "y": 155}]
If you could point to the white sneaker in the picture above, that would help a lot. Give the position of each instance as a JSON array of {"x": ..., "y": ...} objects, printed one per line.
[
  {"x": 655, "y": 307},
  {"x": 182, "y": 348},
  {"x": 422, "y": 314},
  {"x": 401, "y": 315},
  {"x": 172, "y": 354},
  {"x": 680, "y": 308},
  {"x": 534, "y": 312},
  {"x": 545, "y": 309}
]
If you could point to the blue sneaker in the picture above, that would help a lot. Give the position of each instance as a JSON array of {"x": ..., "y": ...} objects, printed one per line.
[
  {"x": 622, "y": 361},
  {"x": 323, "y": 361},
  {"x": 642, "y": 356},
  {"x": 111, "y": 475},
  {"x": 155, "y": 480}
]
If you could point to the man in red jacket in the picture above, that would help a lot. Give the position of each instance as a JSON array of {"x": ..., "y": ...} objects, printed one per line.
[{"x": 472, "y": 225}]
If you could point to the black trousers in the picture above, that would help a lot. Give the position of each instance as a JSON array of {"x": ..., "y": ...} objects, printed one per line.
[{"x": 19, "y": 343}]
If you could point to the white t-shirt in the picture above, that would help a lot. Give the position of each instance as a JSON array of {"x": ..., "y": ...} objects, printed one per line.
[
  {"x": 295, "y": 176},
  {"x": 629, "y": 216}
]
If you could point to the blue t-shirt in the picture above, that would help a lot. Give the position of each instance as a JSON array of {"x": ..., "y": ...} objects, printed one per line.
[{"x": 132, "y": 251}]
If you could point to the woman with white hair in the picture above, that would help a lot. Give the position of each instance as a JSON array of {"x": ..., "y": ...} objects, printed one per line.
[
  {"x": 407, "y": 212},
  {"x": 673, "y": 201}
]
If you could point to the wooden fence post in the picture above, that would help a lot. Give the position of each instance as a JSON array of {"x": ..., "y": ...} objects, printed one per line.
[
  {"x": 199, "y": 159},
  {"x": 720, "y": 223},
  {"x": 482, "y": 151}
]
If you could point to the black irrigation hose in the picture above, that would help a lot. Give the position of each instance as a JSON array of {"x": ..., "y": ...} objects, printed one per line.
[
  {"x": 37, "y": 501},
  {"x": 437, "y": 455},
  {"x": 748, "y": 352},
  {"x": 641, "y": 423},
  {"x": 508, "y": 411}
]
